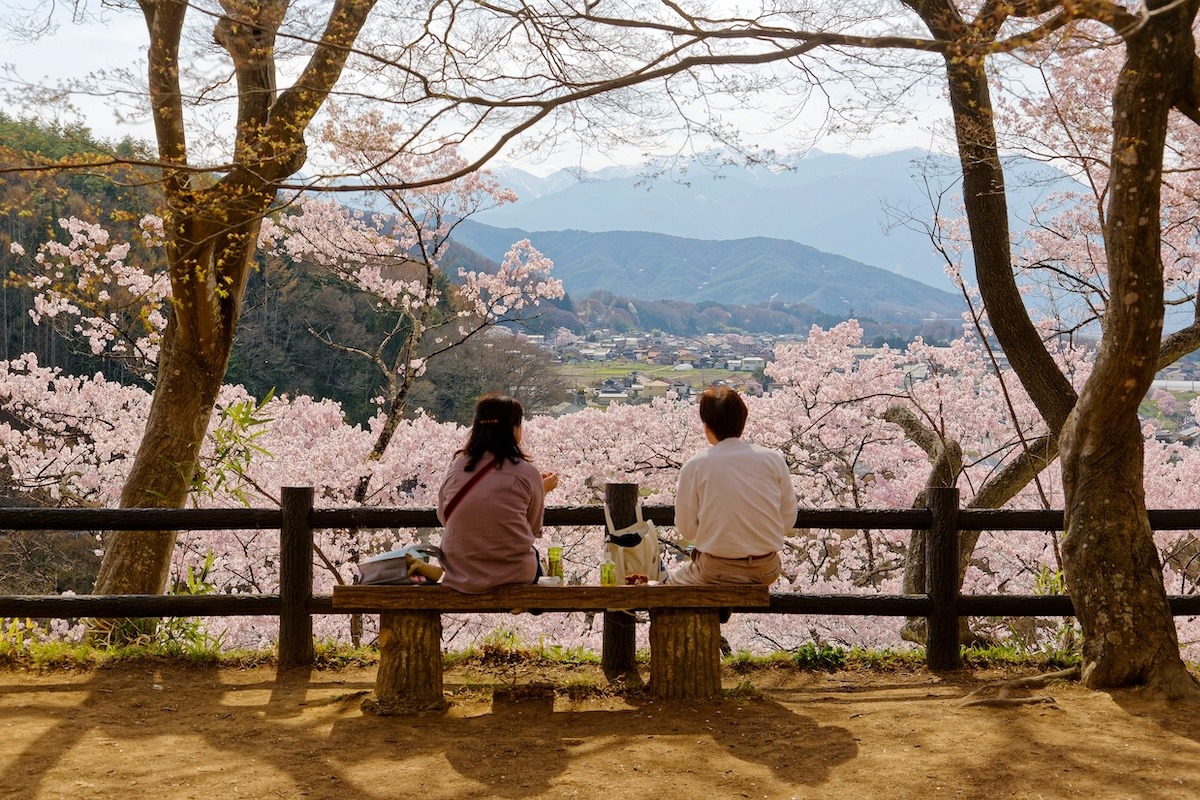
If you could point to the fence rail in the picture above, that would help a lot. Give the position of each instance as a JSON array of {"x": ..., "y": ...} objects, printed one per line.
[{"x": 296, "y": 519}]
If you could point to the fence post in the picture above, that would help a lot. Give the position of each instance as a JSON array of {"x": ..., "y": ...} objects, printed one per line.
[
  {"x": 618, "y": 651},
  {"x": 941, "y": 631},
  {"x": 295, "y": 578}
]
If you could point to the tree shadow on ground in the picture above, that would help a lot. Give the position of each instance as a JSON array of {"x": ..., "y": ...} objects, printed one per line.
[
  {"x": 523, "y": 746},
  {"x": 115, "y": 733},
  {"x": 1180, "y": 718}
]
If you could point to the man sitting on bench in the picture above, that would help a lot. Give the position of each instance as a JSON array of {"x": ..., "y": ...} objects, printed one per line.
[{"x": 735, "y": 500}]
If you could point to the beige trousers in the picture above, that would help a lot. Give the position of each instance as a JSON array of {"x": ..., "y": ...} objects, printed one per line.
[{"x": 705, "y": 569}]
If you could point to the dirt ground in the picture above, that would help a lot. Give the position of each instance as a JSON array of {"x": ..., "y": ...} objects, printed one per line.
[{"x": 169, "y": 731}]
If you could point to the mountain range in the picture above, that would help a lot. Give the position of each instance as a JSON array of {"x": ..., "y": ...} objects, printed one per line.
[
  {"x": 859, "y": 207},
  {"x": 759, "y": 270}
]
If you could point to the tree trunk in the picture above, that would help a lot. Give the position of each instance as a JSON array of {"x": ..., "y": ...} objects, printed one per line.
[
  {"x": 1111, "y": 564},
  {"x": 1113, "y": 569},
  {"x": 945, "y": 457},
  {"x": 211, "y": 234},
  {"x": 191, "y": 368}
]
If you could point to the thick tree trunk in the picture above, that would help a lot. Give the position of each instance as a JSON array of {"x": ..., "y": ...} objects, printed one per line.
[
  {"x": 1111, "y": 565},
  {"x": 212, "y": 231},
  {"x": 1113, "y": 569},
  {"x": 191, "y": 368}
]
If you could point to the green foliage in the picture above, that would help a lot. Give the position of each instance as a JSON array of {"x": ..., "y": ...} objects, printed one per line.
[
  {"x": 23, "y": 643},
  {"x": 195, "y": 581},
  {"x": 334, "y": 655},
  {"x": 227, "y": 470},
  {"x": 861, "y": 658},
  {"x": 807, "y": 656},
  {"x": 1050, "y": 581},
  {"x": 557, "y": 654},
  {"x": 1066, "y": 633},
  {"x": 285, "y": 304},
  {"x": 32, "y": 203},
  {"x": 824, "y": 657},
  {"x": 173, "y": 637},
  {"x": 185, "y": 636},
  {"x": 503, "y": 646},
  {"x": 745, "y": 661}
]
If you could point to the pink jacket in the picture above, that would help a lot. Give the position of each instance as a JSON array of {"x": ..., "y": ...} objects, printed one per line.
[{"x": 488, "y": 541}]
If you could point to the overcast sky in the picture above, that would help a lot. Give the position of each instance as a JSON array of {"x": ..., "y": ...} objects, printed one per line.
[{"x": 119, "y": 39}]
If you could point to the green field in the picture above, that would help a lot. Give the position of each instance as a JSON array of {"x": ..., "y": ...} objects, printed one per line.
[{"x": 591, "y": 373}]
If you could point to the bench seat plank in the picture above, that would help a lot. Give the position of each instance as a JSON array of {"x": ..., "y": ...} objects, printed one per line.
[{"x": 373, "y": 599}]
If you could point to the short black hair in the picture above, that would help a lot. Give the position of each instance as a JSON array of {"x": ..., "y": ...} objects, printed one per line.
[
  {"x": 723, "y": 411},
  {"x": 497, "y": 416}
]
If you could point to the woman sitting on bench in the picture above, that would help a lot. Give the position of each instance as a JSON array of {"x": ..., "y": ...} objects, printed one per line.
[{"x": 491, "y": 503}]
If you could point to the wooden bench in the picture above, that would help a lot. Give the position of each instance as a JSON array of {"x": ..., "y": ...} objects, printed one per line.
[{"x": 685, "y": 631}]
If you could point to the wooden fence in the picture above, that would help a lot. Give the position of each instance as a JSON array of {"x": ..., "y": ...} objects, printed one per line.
[{"x": 296, "y": 520}]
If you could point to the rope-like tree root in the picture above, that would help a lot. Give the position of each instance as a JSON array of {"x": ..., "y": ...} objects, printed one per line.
[{"x": 1004, "y": 690}]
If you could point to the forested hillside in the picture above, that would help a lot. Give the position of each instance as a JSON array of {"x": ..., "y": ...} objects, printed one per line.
[
  {"x": 750, "y": 271},
  {"x": 274, "y": 348},
  {"x": 31, "y": 204}
]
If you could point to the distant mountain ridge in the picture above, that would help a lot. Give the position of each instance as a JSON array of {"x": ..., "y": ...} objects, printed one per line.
[
  {"x": 851, "y": 205},
  {"x": 654, "y": 266}
]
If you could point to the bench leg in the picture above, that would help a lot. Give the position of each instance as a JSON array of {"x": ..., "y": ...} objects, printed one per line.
[
  {"x": 685, "y": 653},
  {"x": 410, "y": 664}
]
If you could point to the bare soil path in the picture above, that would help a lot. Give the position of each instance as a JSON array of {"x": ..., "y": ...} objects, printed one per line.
[{"x": 171, "y": 731}]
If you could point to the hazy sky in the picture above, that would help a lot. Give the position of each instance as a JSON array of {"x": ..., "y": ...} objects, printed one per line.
[{"x": 119, "y": 39}]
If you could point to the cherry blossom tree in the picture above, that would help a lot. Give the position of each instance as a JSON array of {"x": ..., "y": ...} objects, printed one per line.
[
  {"x": 398, "y": 260},
  {"x": 101, "y": 292},
  {"x": 1112, "y": 569}
]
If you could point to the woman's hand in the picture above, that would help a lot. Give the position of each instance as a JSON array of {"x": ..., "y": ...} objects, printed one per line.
[{"x": 549, "y": 481}]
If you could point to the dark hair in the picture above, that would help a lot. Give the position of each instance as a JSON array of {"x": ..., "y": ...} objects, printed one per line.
[
  {"x": 493, "y": 431},
  {"x": 723, "y": 411}
]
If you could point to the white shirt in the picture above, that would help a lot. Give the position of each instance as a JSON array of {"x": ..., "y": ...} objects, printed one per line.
[{"x": 735, "y": 499}]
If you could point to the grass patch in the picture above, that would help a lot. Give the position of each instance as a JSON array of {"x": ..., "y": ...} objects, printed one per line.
[
  {"x": 503, "y": 651},
  {"x": 807, "y": 656},
  {"x": 1008, "y": 655},
  {"x": 885, "y": 660},
  {"x": 744, "y": 661},
  {"x": 334, "y": 656},
  {"x": 24, "y": 645},
  {"x": 504, "y": 647}
]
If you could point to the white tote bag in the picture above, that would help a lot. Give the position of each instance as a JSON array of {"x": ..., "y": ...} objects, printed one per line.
[{"x": 634, "y": 549}]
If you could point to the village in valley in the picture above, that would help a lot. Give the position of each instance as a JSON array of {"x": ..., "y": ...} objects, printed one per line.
[{"x": 606, "y": 367}]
